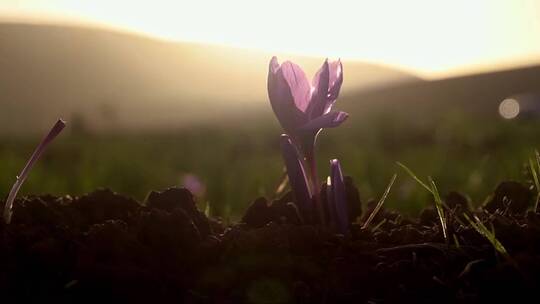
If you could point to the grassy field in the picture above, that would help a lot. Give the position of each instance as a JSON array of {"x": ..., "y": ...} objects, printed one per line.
[{"x": 238, "y": 164}]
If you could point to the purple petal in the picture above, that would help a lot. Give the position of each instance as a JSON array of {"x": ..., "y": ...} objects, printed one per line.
[
  {"x": 297, "y": 175},
  {"x": 319, "y": 99},
  {"x": 336, "y": 79},
  {"x": 339, "y": 196},
  {"x": 281, "y": 99},
  {"x": 322, "y": 77},
  {"x": 274, "y": 65},
  {"x": 298, "y": 84},
  {"x": 328, "y": 120}
]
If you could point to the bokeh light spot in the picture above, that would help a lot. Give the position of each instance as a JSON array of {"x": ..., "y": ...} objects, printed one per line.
[{"x": 509, "y": 108}]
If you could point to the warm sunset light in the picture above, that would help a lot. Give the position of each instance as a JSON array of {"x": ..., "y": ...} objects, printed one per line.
[
  {"x": 270, "y": 151},
  {"x": 433, "y": 38}
]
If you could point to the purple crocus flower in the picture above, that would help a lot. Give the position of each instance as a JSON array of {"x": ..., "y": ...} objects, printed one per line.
[
  {"x": 297, "y": 176},
  {"x": 337, "y": 199},
  {"x": 304, "y": 108}
]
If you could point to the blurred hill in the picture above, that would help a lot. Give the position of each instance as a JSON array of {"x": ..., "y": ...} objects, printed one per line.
[
  {"x": 106, "y": 79},
  {"x": 423, "y": 102}
]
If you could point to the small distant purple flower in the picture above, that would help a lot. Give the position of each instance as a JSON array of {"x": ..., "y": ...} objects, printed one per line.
[
  {"x": 194, "y": 185},
  {"x": 304, "y": 108}
]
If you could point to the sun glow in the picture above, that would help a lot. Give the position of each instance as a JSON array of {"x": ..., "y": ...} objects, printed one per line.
[{"x": 433, "y": 38}]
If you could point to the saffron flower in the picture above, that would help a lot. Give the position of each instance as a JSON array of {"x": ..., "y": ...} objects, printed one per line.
[{"x": 303, "y": 108}]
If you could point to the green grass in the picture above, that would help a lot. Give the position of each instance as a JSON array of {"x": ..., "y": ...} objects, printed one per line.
[
  {"x": 488, "y": 234},
  {"x": 432, "y": 188},
  {"x": 240, "y": 163},
  {"x": 380, "y": 203},
  {"x": 440, "y": 208},
  {"x": 534, "y": 166}
]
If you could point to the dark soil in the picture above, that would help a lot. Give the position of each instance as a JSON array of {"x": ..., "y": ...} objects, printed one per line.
[{"x": 107, "y": 247}]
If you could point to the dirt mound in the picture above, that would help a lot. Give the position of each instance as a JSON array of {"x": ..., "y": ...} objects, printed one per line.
[{"x": 107, "y": 246}]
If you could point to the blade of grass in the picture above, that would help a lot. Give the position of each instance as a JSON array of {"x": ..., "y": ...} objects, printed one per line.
[
  {"x": 532, "y": 166},
  {"x": 534, "y": 172},
  {"x": 489, "y": 235},
  {"x": 283, "y": 184},
  {"x": 379, "y": 225},
  {"x": 439, "y": 207},
  {"x": 8, "y": 207},
  {"x": 439, "y": 204},
  {"x": 456, "y": 241},
  {"x": 207, "y": 209},
  {"x": 537, "y": 156},
  {"x": 380, "y": 203},
  {"x": 409, "y": 171}
]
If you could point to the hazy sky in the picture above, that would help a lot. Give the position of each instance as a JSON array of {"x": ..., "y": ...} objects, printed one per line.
[{"x": 431, "y": 37}]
